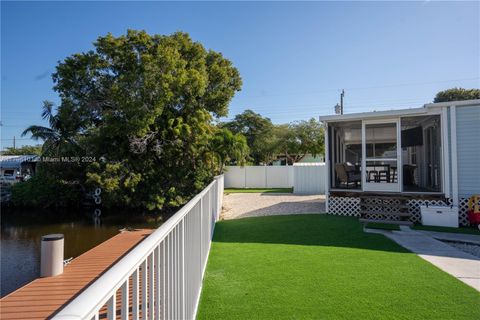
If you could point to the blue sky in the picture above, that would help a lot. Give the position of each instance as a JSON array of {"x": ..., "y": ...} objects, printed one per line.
[{"x": 294, "y": 58}]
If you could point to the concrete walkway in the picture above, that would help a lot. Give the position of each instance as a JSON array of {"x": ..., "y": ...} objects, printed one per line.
[{"x": 463, "y": 266}]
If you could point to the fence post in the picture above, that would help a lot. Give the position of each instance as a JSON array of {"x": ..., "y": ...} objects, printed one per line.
[{"x": 266, "y": 176}]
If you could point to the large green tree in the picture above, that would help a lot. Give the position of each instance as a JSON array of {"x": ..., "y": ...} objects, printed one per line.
[
  {"x": 259, "y": 132},
  {"x": 297, "y": 139},
  {"x": 143, "y": 107},
  {"x": 457, "y": 94}
]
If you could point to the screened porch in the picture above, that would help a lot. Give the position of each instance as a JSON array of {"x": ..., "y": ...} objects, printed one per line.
[{"x": 398, "y": 154}]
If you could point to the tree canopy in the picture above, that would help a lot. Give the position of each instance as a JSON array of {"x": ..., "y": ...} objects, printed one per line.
[
  {"x": 457, "y": 94},
  {"x": 141, "y": 107},
  {"x": 266, "y": 140},
  {"x": 258, "y": 132},
  {"x": 23, "y": 150},
  {"x": 300, "y": 138}
]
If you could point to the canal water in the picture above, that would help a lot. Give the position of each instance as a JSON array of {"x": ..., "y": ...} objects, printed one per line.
[{"x": 21, "y": 233}]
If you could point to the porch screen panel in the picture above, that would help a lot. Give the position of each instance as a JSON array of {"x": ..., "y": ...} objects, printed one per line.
[{"x": 381, "y": 153}]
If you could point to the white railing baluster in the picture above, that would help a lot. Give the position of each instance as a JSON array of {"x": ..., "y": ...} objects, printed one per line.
[
  {"x": 144, "y": 290},
  {"x": 166, "y": 268},
  {"x": 125, "y": 300},
  {"x": 151, "y": 286},
  {"x": 163, "y": 298},
  {"x": 202, "y": 232},
  {"x": 182, "y": 264},
  {"x": 158, "y": 282},
  {"x": 111, "y": 307},
  {"x": 179, "y": 271},
  {"x": 175, "y": 277},
  {"x": 135, "y": 295},
  {"x": 169, "y": 278}
]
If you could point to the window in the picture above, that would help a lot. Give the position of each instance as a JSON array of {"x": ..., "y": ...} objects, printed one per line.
[{"x": 8, "y": 173}]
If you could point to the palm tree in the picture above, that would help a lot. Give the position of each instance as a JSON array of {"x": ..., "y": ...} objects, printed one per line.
[
  {"x": 228, "y": 146},
  {"x": 58, "y": 137}
]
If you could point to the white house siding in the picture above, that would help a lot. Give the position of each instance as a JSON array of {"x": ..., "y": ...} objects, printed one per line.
[{"x": 468, "y": 150}]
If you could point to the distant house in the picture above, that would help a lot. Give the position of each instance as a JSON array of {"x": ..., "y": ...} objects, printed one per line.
[
  {"x": 16, "y": 168},
  {"x": 308, "y": 158},
  {"x": 423, "y": 155}
]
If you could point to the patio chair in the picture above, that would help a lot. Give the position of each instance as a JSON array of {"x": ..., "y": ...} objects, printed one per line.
[
  {"x": 347, "y": 175},
  {"x": 372, "y": 175}
]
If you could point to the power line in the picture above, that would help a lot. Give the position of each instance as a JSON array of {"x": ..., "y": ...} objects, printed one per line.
[
  {"x": 363, "y": 88},
  {"x": 316, "y": 106}
]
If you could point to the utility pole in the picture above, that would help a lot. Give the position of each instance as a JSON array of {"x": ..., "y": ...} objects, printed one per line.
[
  {"x": 13, "y": 142},
  {"x": 339, "y": 107},
  {"x": 341, "y": 101}
]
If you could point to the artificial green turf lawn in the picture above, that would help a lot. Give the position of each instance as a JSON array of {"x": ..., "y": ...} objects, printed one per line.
[
  {"x": 466, "y": 230},
  {"x": 258, "y": 190},
  {"x": 323, "y": 267}
]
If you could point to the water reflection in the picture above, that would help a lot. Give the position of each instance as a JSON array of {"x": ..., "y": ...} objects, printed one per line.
[{"x": 21, "y": 232}]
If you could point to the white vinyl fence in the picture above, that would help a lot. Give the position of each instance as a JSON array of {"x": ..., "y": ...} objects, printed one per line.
[
  {"x": 161, "y": 278},
  {"x": 259, "y": 177},
  {"x": 309, "y": 178},
  {"x": 305, "y": 178}
]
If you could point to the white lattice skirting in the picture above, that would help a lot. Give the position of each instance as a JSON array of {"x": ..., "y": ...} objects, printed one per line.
[{"x": 349, "y": 206}]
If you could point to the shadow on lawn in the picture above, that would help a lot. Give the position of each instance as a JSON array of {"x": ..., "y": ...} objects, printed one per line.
[{"x": 303, "y": 229}]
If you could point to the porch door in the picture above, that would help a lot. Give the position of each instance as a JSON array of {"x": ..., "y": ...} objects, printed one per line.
[{"x": 381, "y": 165}]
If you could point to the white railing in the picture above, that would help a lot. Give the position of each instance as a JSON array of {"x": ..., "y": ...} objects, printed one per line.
[{"x": 161, "y": 278}]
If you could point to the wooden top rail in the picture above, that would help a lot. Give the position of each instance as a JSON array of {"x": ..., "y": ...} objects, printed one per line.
[{"x": 43, "y": 297}]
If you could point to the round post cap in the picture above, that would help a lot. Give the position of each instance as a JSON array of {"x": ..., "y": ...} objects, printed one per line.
[{"x": 52, "y": 237}]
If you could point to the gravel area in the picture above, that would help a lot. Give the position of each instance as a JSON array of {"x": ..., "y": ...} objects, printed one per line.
[
  {"x": 242, "y": 205},
  {"x": 471, "y": 248}
]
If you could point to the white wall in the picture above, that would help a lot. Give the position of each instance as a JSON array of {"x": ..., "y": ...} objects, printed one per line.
[
  {"x": 259, "y": 177},
  {"x": 468, "y": 150},
  {"x": 306, "y": 178},
  {"x": 309, "y": 178}
]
